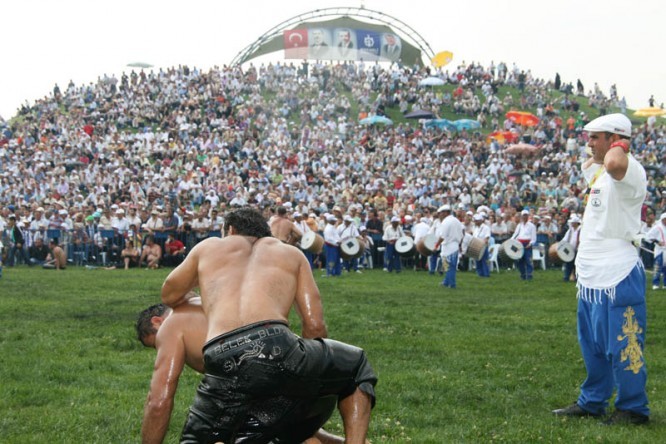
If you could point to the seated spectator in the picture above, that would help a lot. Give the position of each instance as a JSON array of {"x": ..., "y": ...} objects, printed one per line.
[
  {"x": 38, "y": 252},
  {"x": 174, "y": 251},
  {"x": 151, "y": 253},
  {"x": 130, "y": 255}
]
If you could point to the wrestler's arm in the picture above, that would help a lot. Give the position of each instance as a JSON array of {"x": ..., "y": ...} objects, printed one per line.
[
  {"x": 168, "y": 367},
  {"x": 308, "y": 303},
  {"x": 296, "y": 232},
  {"x": 616, "y": 163},
  {"x": 182, "y": 279}
]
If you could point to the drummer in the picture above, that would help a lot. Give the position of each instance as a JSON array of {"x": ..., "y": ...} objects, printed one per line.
[
  {"x": 571, "y": 236},
  {"x": 302, "y": 225},
  {"x": 657, "y": 234},
  {"x": 348, "y": 229},
  {"x": 420, "y": 230},
  {"x": 284, "y": 229},
  {"x": 392, "y": 233},
  {"x": 482, "y": 231},
  {"x": 449, "y": 233},
  {"x": 434, "y": 257},
  {"x": 525, "y": 234},
  {"x": 332, "y": 247},
  {"x": 366, "y": 245}
]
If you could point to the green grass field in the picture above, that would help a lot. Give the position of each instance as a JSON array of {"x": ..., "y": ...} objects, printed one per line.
[{"x": 483, "y": 363}]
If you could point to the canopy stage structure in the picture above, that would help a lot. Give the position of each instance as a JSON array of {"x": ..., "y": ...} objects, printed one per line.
[{"x": 345, "y": 34}]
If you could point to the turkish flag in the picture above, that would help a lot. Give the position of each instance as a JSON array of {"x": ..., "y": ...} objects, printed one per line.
[{"x": 296, "y": 44}]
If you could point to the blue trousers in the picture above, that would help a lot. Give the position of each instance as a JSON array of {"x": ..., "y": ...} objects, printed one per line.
[
  {"x": 569, "y": 267},
  {"x": 432, "y": 262},
  {"x": 525, "y": 264},
  {"x": 333, "y": 265},
  {"x": 611, "y": 334},
  {"x": 392, "y": 259},
  {"x": 450, "y": 277},
  {"x": 659, "y": 270},
  {"x": 482, "y": 267}
]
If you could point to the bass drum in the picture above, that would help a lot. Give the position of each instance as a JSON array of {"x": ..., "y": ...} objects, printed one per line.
[
  {"x": 405, "y": 246},
  {"x": 427, "y": 244},
  {"x": 511, "y": 250},
  {"x": 561, "y": 252},
  {"x": 476, "y": 249},
  {"x": 350, "y": 248},
  {"x": 312, "y": 242}
]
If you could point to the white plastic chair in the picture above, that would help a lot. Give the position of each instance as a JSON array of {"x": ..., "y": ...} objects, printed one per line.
[
  {"x": 493, "y": 252},
  {"x": 538, "y": 255}
]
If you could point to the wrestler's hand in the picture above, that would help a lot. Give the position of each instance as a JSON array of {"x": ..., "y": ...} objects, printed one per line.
[{"x": 622, "y": 143}]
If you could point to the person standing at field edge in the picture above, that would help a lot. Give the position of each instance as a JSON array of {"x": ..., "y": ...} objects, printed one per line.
[
  {"x": 261, "y": 378},
  {"x": 612, "y": 312}
]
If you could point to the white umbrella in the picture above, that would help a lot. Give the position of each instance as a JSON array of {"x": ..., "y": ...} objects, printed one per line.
[{"x": 431, "y": 81}]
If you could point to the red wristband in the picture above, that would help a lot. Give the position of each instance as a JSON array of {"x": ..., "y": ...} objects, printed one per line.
[{"x": 622, "y": 144}]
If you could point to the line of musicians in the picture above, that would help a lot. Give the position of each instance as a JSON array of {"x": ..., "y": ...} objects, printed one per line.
[{"x": 436, "y": 244}]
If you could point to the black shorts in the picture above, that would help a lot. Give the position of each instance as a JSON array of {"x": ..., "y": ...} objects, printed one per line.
[{"x": 264, "y": 384}]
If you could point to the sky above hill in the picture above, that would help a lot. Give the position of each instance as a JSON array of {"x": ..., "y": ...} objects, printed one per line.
[{"x": 605, "y": 41}]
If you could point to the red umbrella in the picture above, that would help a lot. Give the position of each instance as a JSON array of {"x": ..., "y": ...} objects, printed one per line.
[
  {"x": 503, "y": 136},
  {"x": 522, "y": 118}
]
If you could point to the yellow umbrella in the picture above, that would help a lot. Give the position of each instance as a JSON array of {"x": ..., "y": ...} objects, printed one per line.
[
  {"x": 647, "y": 112},
  {"x": 442, "y": 58}
]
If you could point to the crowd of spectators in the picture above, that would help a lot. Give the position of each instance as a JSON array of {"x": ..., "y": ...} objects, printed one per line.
[{"x": 170, "y": 150}]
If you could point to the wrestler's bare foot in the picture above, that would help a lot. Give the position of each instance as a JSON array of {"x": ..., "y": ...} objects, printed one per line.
[{"x": 355, "y": 411}]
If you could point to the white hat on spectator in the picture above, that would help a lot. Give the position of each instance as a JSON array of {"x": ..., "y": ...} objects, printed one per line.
[
  {"x": 477, "y": 217},
  {"x": 445, "y": 207},
  {"x": 525, "y": 212},
  {"x": 120, "y": 211},
  {"x": 663, "y": 216},
  {"x": 297, "y": 214},
  {"x": 347, "y": 218},
  {"x": 574, "y": 219},
  {"x": 395, "y": 219},
  {"x": 610, "y": 123},
  {"x": 63, "y": 212},
  {"x": 40, "y": 209},
  {"x": 331, "y": 218}
]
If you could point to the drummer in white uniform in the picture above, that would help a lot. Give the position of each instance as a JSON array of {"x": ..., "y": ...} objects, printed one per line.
[
  {"x": 571, "y": 237},
  {"x": 434, "y": 257},
  {"x": 526, "y": 234},
  {"x": 391, "y": 234},
  {"x": 482, "y": 231},
  {"x": 450, "y": 233},
  {"x": 420, "y": 230},
  {"x": 332, "y": 247},
  {"x": 658, "y": 234},
  {"x": 348, "y": 229}
]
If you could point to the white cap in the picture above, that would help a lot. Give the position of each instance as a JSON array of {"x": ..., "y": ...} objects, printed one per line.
[
  {"x": 347, "y": 218},
  {"x": 363, "y": 228},
  {"x": 120, "y": 211},
  {"x": 477, "y": 217},
  {"x": 331, "y": 218},
  {"x": 445, "y": 207},
  {"x": 408, "y": 217},
  {"x": 395, "y": 219},
  {"x": 525, "y": 212},
  {"x": 576, "y": 220},
  {"x": 297, "y": 214},
  {"x": 612, "y": 123},
  {"x": 62, "y": 212},
  {"x": 663, "y": 216}
]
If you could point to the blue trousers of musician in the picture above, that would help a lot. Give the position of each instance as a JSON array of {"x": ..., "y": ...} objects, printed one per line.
[
  {"x": 450, "y": 277},
  {"x": 611, "y": 334},
  {"x": 350, "y": 265},
  {"x": 659, "y": 271},
  {"x": 310, "y": 257},
  {"x": 392, "y": 259},
  {"x": 525, "y": 265},
  {"x": 482, "y": 266},
  {"x": 432, "y": 262},
  {"x": 333, "y": 265},
  {"x": 569, "y": 268}
]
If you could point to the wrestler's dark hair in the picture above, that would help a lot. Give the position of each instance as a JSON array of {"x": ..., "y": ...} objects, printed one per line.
[
  {"x": 248, "y": 222},
  {"x": 281, "y": 210},
  {"x": 143, "y": 325}
]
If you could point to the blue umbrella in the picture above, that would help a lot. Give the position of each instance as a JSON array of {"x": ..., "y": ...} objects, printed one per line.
[
  {"x": 372, "y": 120},
  {"x": 462, "y": 124},
  {"x": 440, "y": 123}
]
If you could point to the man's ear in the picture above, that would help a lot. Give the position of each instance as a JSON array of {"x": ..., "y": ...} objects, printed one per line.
[
  {"x": 232, "y": 230},
  {"x": 156, "y": 322}
]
